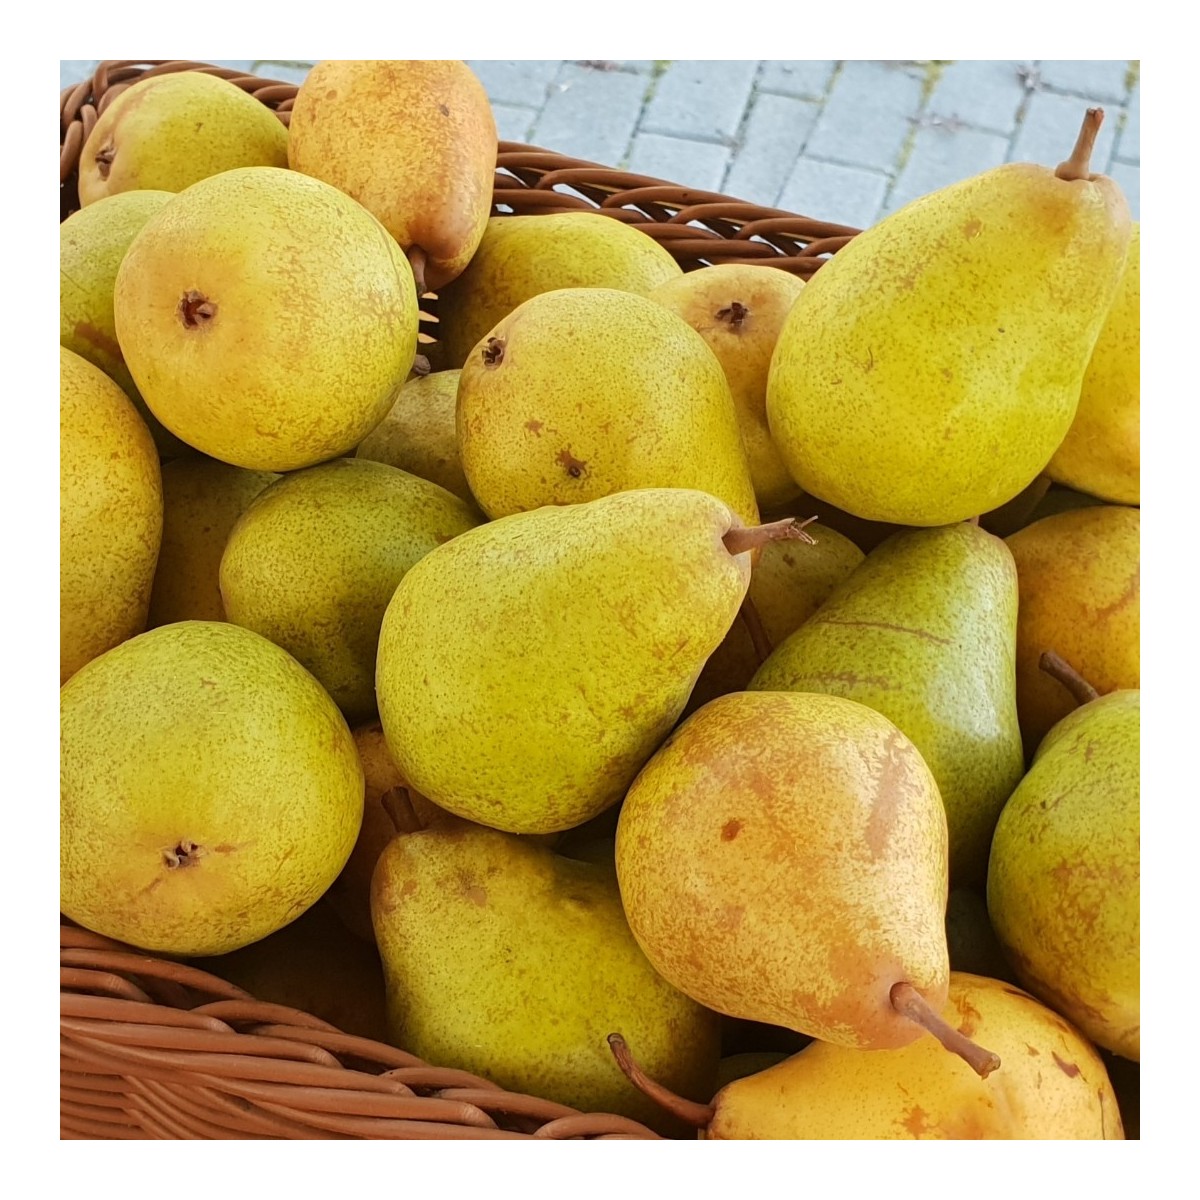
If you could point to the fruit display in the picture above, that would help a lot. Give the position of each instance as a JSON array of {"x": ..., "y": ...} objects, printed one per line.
[{"x": 665, "y": 697}]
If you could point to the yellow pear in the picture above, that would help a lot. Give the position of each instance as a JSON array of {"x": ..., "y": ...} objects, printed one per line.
[
  {"x": 412, "y": 141},
  {"x": 267, "y": 319},
  {"x": 523, "y": 256},
  {"x": 170, "y": 131},
  {"x": 1101, "y": 454},
  {"x": 1079, "y": 581},
  {"x": 91, "y": 244},
  {"x": 110, "y": 514},
  {"x": 202, "y": 500},
  {"x": 582, "y": 392},
  {"x": 210, "y": 790},
  {"x": 739, "y": 309},
  {"x": 927, "y": 374},
  {"x": 419, "y": 436}
]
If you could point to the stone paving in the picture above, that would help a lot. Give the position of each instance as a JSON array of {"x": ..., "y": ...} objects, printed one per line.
[{"x": 846, "y": 141}]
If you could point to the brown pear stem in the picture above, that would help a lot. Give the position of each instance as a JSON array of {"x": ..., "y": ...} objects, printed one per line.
[
  {"x": 686, "y": 1110},
  {"x": 754, "y": 626},
  {"x": 1058, "y": 668},
  {"x": 421, "y": 366},
  {"x": 1079, "y": 165},
  {"x": 974, "y": 520},
  {"x": 417, "y": 259},
  {"x": 911, "y": 1005},
  {"x": 749, "y": 537},
  {"x": 399, "y": 806}
]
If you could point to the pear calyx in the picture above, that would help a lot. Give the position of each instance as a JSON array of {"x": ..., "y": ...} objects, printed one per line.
[
  {"x": 686, "y": 1110},
  {"x": 104, "y": 159},
  {"x": 185, "y": 853},
  {"x": 493, "y": 352},
  {"x": 1058, "y": 668},
  {"x": 196, "y": 309},
  {"x": 1078, "y": 166},
  {"x": 911, "y": 1005},
  {"x": 735, "y": 313},
  {"x": 741, "y": 538}
]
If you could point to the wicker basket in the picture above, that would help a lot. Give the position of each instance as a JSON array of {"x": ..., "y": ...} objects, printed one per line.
[{"x": 156, "y": 1049}]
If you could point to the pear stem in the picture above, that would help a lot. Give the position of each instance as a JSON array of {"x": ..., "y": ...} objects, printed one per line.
[
  {"x": 417, "y": 259},
  {"x": 974, "y": 520},
  {"x": 686, "y": 1110},
  {"x": 754, "y": 626},
  {"x": 399, "y": 806},
  {"x": 1079, "y": 165},
  {"x": 1058, "y": 668},
  {"x": 910, "y": 1004},
  {"x": 741, "y": 538}
]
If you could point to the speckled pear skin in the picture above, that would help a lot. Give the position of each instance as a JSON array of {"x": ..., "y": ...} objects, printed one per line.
[
  {"x": 610, "y": 608},
  {"x": 267, "y": 319},
  {"x": 739, "y": 309},
  {"x": 1052, "y": 1083},
  {"x": 202, "y": 500},
  {"x": 413, "y": 141},
  {"x": 520, "y": 257},
  {"x": 210, "y": 790},
  {"x": 507, "y": 960},
  {"x": 110, "y": 514},
  {"x": 313, "y": 562},
  {"x": 171, "y": 131},
  {"x": 927, "y": 374},
  {"x": 925, "y": 632},
  {"x": 782, "y": 858},
  {"x": 596, "y": 391},
  {"x": 1079, "y": 574},
  {"x": 1102, "y": 453},
  {"x": 1064, "y": 884}
]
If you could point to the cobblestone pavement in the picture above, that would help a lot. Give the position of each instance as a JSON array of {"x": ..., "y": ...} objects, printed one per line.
[{"x": 845, "y": 141}]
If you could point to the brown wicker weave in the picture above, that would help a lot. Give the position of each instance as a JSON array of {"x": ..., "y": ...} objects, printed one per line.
[{"x": 156, "y": 1049}]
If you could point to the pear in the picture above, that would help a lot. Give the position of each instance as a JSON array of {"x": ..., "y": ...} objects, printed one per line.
[
  {"x": 413, "y": 141},
  {"x": 91, "y": 244},
  {"x": 521, "y": 257},
  {"x": 1053, "y": 1085},
  {"x": 1079, "y": 574},
  {"x": 610, "y": 608},
  {"x": 419, "y": 435},
  {"x": 782, "y": 858},
  {"x": 202, "y": 500},
  {"x": 170, "y": 131},
  {"x": 313, "y": 561},
  {"x": 110, "y": 514},
  {"x": 1059, "y": 499},
  {"x": 210, "y": 790},
  {"x": 583, "y": 392},
  {"x": 927, "y": 374},
  {"x": 504, "y": 959},
  {"x": 739, "y": 309},
  {"x": 1064, "y": 878},
  {"x": 1101, "y": 454},
  {"x": 925, "y": 632},
  {"x": 266, "y": 318}
]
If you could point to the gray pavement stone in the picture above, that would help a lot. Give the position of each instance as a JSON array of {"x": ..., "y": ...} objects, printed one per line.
[
  {"x": 942, "y": 155},
  {"x": 591, "y": 114},
  {"x": 287, "y": 72},
  {"x": 1097, "y": 79},
  {"x": 702, "y": 100},
  {"x": 984, "y": 94},
  {"x": 833, "y": 192},
  {"x": 513, "y": 123},
  {"x": 1051, "y": 126},
  {"x": 772, "y": 139},
  {"x": 699, "y": 165},
  {"x": 641, "y": 66},
  {"x": 1129, "y": 140},
  {"x": 523, "y": 82},
  {"x": 868, "y": 115},
  {"x": 1129, "y": 177},
  {"x": 807, "y": 79}
]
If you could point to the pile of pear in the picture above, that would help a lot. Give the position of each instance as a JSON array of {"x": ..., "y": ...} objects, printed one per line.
[{"x": 709, "y": 697}]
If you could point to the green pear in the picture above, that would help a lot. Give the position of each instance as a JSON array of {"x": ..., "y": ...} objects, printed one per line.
[
  {"x": 170, "y": 131},
  {"x": 110, "y": 514},
  {"x": 927, "y": 374},
  {"x": 504, "y": 959},
  {"x": 1064, "y": 880},
  {"x": 91, "y": 244},
  {"x": 610, "y": 608},
  {"x": 583, "y": 392},
  {"x": 924, "y": 631},
  {"x": 210, "y": 790},
  {"x": 521, "y": 257},
  {"x": 313, "y": 561}
]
